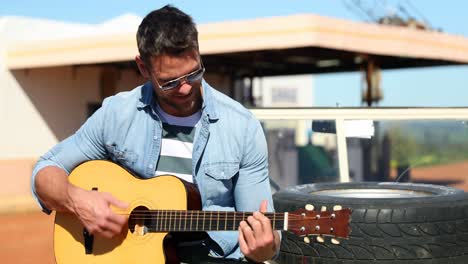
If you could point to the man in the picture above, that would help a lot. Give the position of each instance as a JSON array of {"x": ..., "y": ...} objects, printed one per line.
[{"x": 174, "y": 124}]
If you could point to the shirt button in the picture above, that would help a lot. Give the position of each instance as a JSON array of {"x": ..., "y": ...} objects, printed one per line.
[
  {"x": 155, "y": 137},
  {"x": 150, "y": 166}
]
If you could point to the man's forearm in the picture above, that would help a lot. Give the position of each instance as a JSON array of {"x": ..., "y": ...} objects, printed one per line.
[{"x": 52, "y": 188}]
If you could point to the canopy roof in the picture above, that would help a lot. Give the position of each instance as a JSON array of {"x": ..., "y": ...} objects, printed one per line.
[{"x": 265, "y": 46}]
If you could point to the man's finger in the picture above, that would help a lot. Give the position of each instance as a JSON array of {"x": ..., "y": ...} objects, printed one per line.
[
  {"x": 116, "y": 202},
  {"x": 117, "y": 219},
  {"x": 113, "y": 228},
  {"x": 263, "y": 206},
  {"x": 106, "y": 234},
  {"x": 266, "y": 223},
  {"x": 255, "y": 225},
  {"x": 242, "y": 243},
  {"x": 248, "y": 234}
]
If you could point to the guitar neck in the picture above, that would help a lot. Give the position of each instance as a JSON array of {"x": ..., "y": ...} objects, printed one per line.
[{"x": 192, "y": 221}]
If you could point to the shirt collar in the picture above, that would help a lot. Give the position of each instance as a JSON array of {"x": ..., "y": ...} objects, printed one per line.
[
  {"x": 209, "y": 102},
  {"x": 147, "y": 95},
  {"x": 147, "y": 98}
]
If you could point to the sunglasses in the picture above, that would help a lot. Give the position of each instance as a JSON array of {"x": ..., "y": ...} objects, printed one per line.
[{"x": 192, "y": 77}]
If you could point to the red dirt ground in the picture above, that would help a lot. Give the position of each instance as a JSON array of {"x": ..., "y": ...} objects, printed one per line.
[
  {"x": 26, "y": 238},
  {"x": 452, "y": 174}
]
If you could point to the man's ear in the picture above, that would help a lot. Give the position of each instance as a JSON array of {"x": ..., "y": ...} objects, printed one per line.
[{"x": 142, "y": 67}]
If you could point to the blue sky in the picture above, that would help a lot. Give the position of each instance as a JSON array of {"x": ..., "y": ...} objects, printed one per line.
[{"x": 435, "y": 86}]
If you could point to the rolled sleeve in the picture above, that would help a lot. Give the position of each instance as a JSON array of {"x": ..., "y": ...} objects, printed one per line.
[
  {"x": 227, "y": 241},
  {"x": 42, "y": 163},
  {"x": 253, "y": 185}
]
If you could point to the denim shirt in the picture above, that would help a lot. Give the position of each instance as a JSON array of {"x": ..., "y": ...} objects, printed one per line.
[{"x": 229, "y": 161}]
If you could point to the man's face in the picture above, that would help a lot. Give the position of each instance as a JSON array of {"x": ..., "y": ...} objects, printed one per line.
[{"x": 184, "y": 99}]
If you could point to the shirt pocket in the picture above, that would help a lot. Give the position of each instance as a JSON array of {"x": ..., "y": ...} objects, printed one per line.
[
  {"x": 218, "y": 181},
  {"x": 123, "y": 157}
]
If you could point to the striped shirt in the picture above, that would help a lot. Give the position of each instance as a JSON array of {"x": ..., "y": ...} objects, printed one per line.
[{"x": 177, "y": 144}]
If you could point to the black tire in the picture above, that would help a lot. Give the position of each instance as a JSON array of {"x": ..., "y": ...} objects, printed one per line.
[{"x": 429, "y": 229}]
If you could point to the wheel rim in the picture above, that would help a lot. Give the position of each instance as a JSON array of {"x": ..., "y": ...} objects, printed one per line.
[{"x": 372, "y": 193}]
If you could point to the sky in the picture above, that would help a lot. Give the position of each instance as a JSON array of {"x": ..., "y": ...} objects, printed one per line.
[{"x": 433, "y": 86}]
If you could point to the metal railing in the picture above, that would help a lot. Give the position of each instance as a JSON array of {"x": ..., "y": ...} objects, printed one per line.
[{"x": 340, "y": 115}]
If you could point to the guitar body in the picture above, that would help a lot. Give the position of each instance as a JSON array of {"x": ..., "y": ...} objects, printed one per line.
[
  {"x": 164, "y": 192},
  {"x": 164, "y": 211}
]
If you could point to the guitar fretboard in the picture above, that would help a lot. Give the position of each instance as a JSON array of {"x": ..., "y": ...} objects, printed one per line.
[{"x": 192, "y": 221}]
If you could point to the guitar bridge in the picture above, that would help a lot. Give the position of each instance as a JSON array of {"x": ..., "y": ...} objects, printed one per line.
[
  {"x": 88, "y": 242},
  {"x": 88, "y": 238}
]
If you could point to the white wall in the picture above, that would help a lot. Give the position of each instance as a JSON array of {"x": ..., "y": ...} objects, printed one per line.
[
  {"x": 287, "y": 91},
  {"x": 39, "y": 107},
  {"x": 43, "y": 106}
]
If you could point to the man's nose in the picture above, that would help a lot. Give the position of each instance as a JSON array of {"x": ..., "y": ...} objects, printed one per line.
[{"x": 184, "y": 87}]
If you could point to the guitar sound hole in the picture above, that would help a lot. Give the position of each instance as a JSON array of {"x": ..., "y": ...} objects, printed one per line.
[{"x": 139, "y": 221}]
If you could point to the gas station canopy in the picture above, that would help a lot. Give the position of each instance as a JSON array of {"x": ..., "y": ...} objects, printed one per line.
[{"x": 266, "y": 46}]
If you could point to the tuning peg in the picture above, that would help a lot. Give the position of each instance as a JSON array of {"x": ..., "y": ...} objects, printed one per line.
[
  {"x": 337, "y": 208},
  {"x": 335, "y": 241},
  {"x": 320, "y": 239},
  {"x": 309, "y": 207},
  {"x": 323, "y": 208},
  {"x": 307, "y": 240}
]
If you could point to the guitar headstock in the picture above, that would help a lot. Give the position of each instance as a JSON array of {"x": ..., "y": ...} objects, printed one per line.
[{"x": 323, "y": 222}]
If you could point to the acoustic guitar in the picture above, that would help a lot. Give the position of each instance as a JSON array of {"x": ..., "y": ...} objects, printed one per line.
[{"x": 164, "y": 205}]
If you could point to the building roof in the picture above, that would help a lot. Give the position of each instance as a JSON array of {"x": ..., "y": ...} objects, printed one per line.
[{"x": 264, "y": 46}]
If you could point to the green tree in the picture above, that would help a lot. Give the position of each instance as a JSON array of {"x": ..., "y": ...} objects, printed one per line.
[{"x": 403, "y": 146}]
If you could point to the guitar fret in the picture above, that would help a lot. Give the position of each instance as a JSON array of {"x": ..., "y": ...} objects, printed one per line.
[
  {"x": 165, "y": 219},
  {"x": 169, "y": 213},
  {"x": 217, "y": 227},
  {"x": 185, "y": 221},
  {"x": 179, "y": 219},
  {"x": 234, "y": 221},
  {"x": 203, "y": 221},
  {"x": 191, "y": 215},
  {"x": 274, "y": 221},
  {"x": 225, "y": 221},
  {"x": 162, "y": 220},
  {"x": 174, "y": 221},
  {"x": 198, "y": 216},
  {"x": 211, "y": 215},
  {"x": 157, "y": 219}
]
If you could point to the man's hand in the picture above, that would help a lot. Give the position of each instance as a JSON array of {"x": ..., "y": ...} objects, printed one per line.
[
  {"x": 93, "y": 210},
  {"x": 257, "y": 240}
]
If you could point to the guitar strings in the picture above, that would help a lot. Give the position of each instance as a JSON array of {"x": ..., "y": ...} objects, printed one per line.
[
  {"x": 229, "y": 218},
  {"x": 222, "y": 215}
]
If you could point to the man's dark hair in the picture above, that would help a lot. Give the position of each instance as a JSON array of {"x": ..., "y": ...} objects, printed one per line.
[{"x": 167, "y": 30}]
